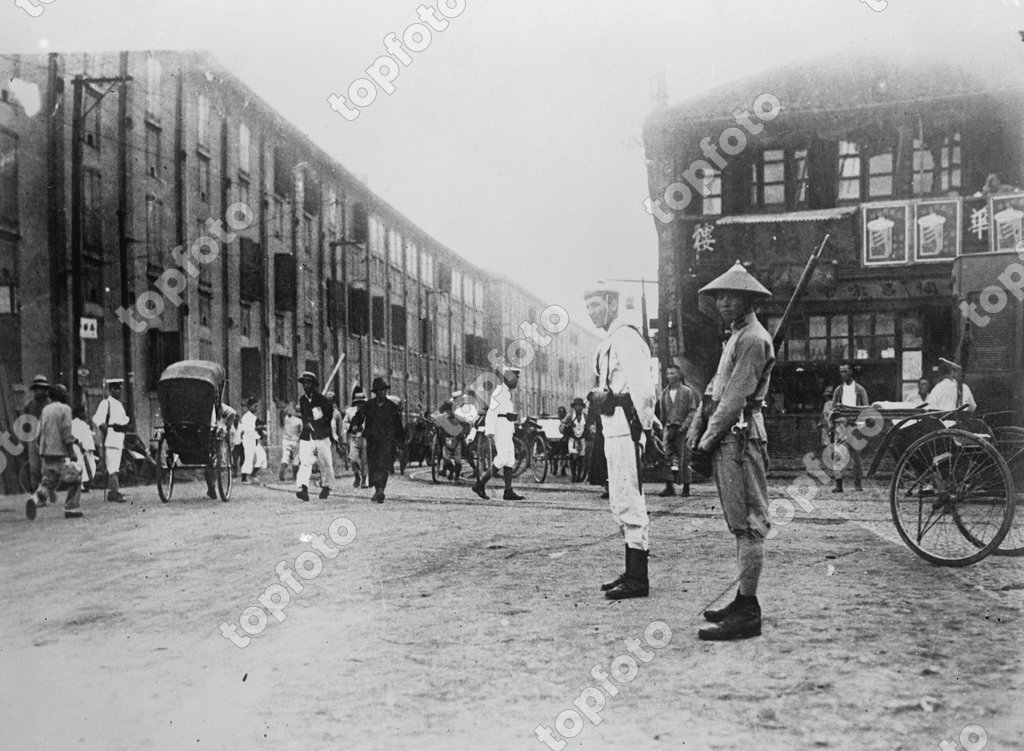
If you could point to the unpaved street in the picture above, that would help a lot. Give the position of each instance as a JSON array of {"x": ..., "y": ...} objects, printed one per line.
[{"x": 447, "y": 622}]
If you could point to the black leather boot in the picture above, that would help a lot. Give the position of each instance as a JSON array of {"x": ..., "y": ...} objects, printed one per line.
[
  {"x": 636, "y": 583},
  {"x": 619, "y": 579},
  {"x": 717, "y": 616},
  {"x": 743, "y": 622},
  {"x": 839, "y": 486}
]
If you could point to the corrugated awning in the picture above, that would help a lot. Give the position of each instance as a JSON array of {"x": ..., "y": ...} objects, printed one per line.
[{"x": 818, "y": 215}]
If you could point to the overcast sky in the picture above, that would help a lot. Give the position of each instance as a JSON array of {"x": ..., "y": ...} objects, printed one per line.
[{"x": 514, "y": 137}]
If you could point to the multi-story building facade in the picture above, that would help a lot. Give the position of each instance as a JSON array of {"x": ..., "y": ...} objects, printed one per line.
[
  {"x": 555, "y": 352},
  {"x": 891, "y": 158},
  {"x": 153, "y": 208}
]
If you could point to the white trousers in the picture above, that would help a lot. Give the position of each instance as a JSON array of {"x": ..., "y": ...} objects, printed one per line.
[
  {"x": 319, "y": 452},
  {"x": 504, "y": 449},
  {"x": 627, "y": 502},
  {"x": 249, "y": 449}
]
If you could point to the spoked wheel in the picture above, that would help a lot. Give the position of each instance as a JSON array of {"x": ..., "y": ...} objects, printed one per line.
[
  {"x": 165, "y": 461},
  {"x": 952, "y": 497},
  {"x": 1009, "y": 442},
  {"x": 222, "y": 468},
  {"x": 484, "y": 454},
  {"x": 539, "y": 458},
  {"x": 521, "y": 454},
  {"x": 25, "y": 478},
  {"x": 436, "y": 457}
]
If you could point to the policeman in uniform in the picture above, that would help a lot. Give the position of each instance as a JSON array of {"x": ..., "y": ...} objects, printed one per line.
[
  {"x": 624, "y": 397},
  {"x": 112, "y": 420},
  {"x": 733, "y": 441},
  {"x": 500, "y": 424}
]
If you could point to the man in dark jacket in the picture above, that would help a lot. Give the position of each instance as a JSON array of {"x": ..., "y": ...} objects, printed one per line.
[
  {"x": 317, "y": 412},
  {"x": 383, "y": 431}
]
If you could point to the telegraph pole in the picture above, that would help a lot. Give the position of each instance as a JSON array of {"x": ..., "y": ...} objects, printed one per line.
[{"x": 77, "y": 120}]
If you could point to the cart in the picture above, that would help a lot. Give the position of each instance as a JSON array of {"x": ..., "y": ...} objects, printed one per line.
[
  {"x": 192, "y": 436},
  {"x": 954, "y": 484}
]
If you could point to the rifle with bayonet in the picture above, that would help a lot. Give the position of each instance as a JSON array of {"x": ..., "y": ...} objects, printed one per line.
[{"x": 700, "y": 461}]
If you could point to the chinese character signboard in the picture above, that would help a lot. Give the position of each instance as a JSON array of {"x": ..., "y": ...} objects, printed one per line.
[
  {"x": 1007, "y": 211},
  {"x": 974, "y": 237},
  {"x": 886, "y": 235},
  {"x": 936, "y": 230}
]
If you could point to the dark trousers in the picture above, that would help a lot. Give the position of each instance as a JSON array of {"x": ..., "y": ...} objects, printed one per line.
[{"x": 380, "y": 455}]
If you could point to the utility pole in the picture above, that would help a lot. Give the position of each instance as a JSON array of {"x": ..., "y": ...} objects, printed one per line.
[
  {"x": 77, "y": 121},
  {"x": 122, "y": 232}
]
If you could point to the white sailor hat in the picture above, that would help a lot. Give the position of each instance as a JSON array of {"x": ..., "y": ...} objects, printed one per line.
[
  {"x": 108, "y": 382},
  {"x": 601, "y": 289}
]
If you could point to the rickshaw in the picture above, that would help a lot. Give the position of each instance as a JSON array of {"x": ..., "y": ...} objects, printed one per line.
[
  {"x": 192, "y": 436},
  {"x": 955, "y": 483}
]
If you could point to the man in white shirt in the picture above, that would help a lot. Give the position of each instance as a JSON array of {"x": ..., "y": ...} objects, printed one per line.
[
  {"x": 624, "y": 397},
  {"x": 112, "y": 421},
  {"x": 849, "y": 393},
  {"x": 951, "y": 392},
  {"x": 500, "y": 424}
]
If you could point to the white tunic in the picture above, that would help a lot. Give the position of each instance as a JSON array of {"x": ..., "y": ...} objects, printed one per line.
[
  {"x": 623, "y": 366},
  {"x": 117, "y": 416}
]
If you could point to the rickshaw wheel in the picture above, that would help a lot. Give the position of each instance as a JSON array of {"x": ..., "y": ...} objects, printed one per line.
[
  {"x": 521, "y": 454},
  {"x": 539, "y": 458},
  {"x": 164, "y": 470},
  {"x": 222, "y": 466},
  {"x": 952, "y": 497},
  {"x": 436, "y": 464},
  {"x": 484, "y": 454},
  {"x": 1009, "y": 442}
]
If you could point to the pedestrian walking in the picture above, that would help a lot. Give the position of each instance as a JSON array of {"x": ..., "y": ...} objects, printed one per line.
[
  {"x": 81, "y": 431},
  {"x": 249, "y": 433},
  {"x": 733, "y": 442},
  {"x": 849, "y": 393},
  {"x": 34, "y": 407},
  {"x": 500, "y": 427},
  {"x": 381, "y": 421},
  {"x": 676, "y": 407},
  {"x": 112, "y": 421},
  {"x": 624, "y": 398},
  {"x": 355, "y": 441},
  {"x": 57, "y": 453},
  {"x": 576, "y": 438},
  {"x": 315, "y": 438},
  {"x": 290, "y": 432}
]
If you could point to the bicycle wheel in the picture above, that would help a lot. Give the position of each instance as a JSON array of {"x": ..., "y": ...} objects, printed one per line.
[
  {"x": 539, "y": 458},
  {"x": 222, "y": 468},
  {"x": 952, "y": 498},
  {"x": 521, "y": 454},
  {"x": 165, "y": 461},
  {"x": 25, "y": 477},
  {"x": 436, "y": 459},
  {"x": 484, "y": 454},
  {"x": 1009, "y": 442}
]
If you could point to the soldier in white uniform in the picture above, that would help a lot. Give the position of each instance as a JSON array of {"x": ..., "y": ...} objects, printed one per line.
[
  {"x": 112, "y": 420},
  {"x": 624, "y": 397},
  {"x": 500, "y": 424}
]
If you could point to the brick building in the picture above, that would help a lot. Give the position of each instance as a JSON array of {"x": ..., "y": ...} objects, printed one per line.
[
  {"x": 889, "y": 154},
  {"x": 158, "y": 184}
]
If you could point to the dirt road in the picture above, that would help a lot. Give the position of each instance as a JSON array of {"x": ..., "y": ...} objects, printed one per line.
[{"x": 446, "y": 622}]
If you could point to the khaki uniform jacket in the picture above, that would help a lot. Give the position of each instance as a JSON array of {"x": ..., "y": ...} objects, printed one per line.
[{"x": 742, "y": 379}]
